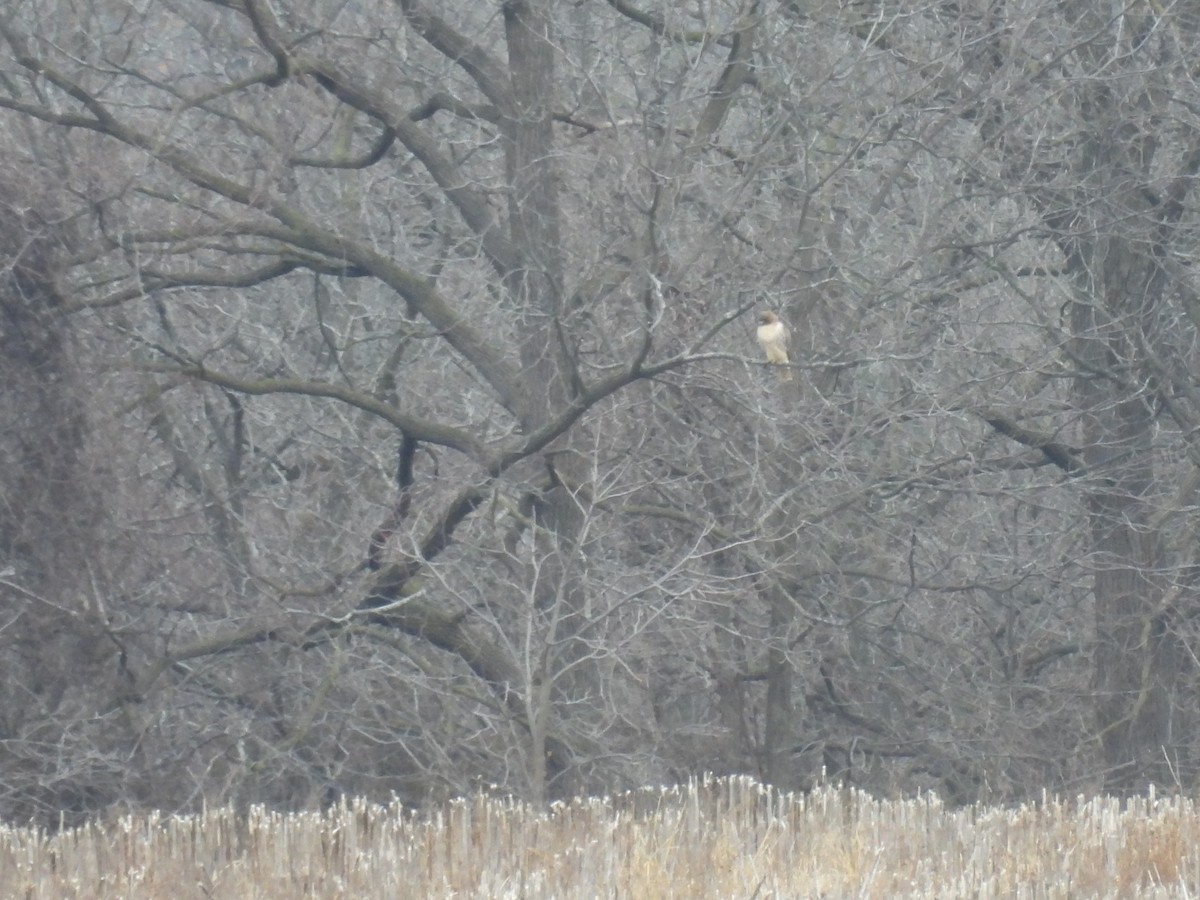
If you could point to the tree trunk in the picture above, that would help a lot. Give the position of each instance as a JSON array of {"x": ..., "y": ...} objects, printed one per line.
[
  {"x": 1135, "y": 654},
  {"x": 536, "y": 285},
  {"x": 1120, "y": 289}
]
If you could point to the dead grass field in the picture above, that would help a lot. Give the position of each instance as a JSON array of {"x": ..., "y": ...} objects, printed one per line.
[{"x": 716, "y": 838}]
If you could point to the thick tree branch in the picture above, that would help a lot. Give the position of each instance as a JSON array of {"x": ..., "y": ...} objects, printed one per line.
[
  {"x": 488, "y": 74},
  {"x": 1065, "y": 457},
  {"x": 420, "y": 429},
  {"x": 658, "y": 25},
  {"x": 470, "y": 202},
  {"x": 733, "y": 76}
]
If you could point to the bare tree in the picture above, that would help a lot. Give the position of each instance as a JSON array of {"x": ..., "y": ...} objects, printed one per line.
[{"x": 417, "y": 343}]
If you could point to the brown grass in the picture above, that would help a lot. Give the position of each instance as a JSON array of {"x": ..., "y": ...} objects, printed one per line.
[{"x": 715, "y": 838}]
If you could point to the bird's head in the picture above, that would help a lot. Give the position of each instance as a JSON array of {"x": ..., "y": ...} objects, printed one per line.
[{"x": 768, "y": 318}]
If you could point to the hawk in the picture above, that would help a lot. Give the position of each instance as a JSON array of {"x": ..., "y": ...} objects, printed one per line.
[{"x": 774, "y": 337}]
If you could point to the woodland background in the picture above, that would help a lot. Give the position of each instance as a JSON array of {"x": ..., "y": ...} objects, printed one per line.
[{"x": 381, "y": 413}]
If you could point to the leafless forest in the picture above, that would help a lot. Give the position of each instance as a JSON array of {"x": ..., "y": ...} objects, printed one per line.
[{"x": 381, "y": 412}]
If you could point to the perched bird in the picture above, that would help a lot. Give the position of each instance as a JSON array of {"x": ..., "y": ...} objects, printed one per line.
[{"x": 774, "y": 337}]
